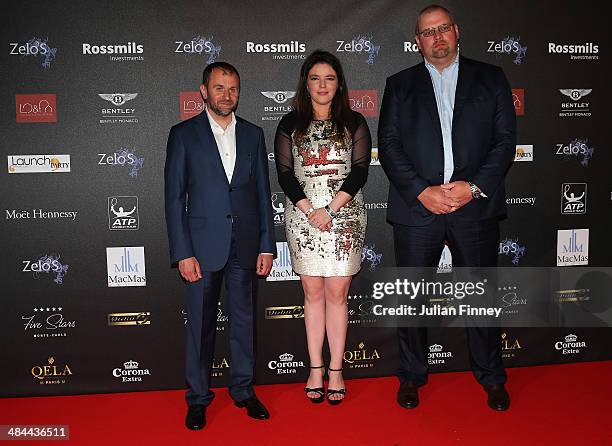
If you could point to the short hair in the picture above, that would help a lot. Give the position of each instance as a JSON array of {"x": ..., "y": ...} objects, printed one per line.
[
  {"x": 427, "y": 10},
  {"x": 223, "y": 66}
]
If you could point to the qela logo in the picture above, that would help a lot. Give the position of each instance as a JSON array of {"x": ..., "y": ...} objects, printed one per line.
[
  {"x": 445, "y": 264},
  {"x": 119, "y": 319},
  {"x": 573, "y": 198},
  {"x": 362, "y": 357},
  {"x": 49, "y": 265},
  {"x": 275, "y": 112},
  {"x": 293, "y": 50},
  {"x": 35, "y": 108},
  {"x": 572, "y": 247},
  {"x": 585, "y": 51},
  {"x": 570, "y": 345},
  {"x": 199, "y": 46},
  {"x": 437, "y": 355},
  {"x": 524, "y": 152},
  {"x": 123, "y": 213},
  {"x": 518, "y": 97},
  {"x": 578, "y": 148},
  {"x": 368, "y": 254},
  {"x": 118, "y": 114},
  {"x": 359, "y": 45},
  {"x": 38, "y": 163},
  {"x": 51, "y": 373},
  {"x": 125, "y": 52},
  {"x": 364, "y": 102},
  {"x": 511, "y": 247},
  {"x": 509, "y": 45},
  {"x": 130, "y": 372},
  {"x": 36, "y": 47},
  {"x": 126, "y": 266},
  {"x": 191, "y": 104},
  {"x": 281, "y": 266},
  {"x": 510, "y": 299},
  {"x": 575, "y": 109},
  {"x": 278, "y": 207},
  {"x": 285, "y": 364},
  {"x": 218, "y": 366},
  {"x": 123, "y": 158},
  {"x": 47, "y": 322},
  {"x": 510, "y": 346}
]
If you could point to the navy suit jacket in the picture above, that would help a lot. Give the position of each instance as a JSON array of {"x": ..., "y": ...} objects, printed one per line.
[
  {"x": 410, "y": 140},
  {"x": 201, "y": 206}
]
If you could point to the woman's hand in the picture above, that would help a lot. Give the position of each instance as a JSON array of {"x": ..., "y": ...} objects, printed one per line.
[{"x": 320, "y": 219}]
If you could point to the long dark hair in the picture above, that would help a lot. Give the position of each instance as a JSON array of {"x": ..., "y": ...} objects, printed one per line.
[{"x": 340, "y": 109}]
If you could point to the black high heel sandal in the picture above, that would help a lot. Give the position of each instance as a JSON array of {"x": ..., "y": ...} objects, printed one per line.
[
  {"x": 335, "y": 391},
  {"x": 320, "y": 391}
]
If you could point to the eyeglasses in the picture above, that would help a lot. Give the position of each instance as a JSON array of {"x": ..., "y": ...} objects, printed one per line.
[{"x": 430, "y": 32}]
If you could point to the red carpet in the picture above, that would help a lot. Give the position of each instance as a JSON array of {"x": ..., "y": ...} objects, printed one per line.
[{"x": 551, "y": 405}]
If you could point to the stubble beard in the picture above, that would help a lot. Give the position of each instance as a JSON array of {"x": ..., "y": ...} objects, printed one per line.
[{"x": 221, "y": 112}]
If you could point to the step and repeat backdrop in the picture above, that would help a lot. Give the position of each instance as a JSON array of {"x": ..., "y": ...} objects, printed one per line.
[{"x": 90, "y": 90}]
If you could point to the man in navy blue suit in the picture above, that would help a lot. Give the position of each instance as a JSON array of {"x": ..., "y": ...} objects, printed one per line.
[
  {"x": 446, "y": 136},
  {"x": 219, "y": 219}
]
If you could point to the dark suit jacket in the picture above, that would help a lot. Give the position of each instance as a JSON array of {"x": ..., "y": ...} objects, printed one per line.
[
  {"x": 200, "y": 203},
  {"x": 410, "y": 140}
]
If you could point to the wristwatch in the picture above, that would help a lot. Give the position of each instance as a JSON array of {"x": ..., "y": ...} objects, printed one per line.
[{"x": 476, "y": 192}]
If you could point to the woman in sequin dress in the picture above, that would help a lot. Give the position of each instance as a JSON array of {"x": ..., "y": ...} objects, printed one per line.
[{"x": 322, "y": 152}]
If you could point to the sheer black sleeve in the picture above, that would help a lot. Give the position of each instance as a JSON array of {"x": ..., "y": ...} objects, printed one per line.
[
  {"x": 360, "y": 158},
  {"x": 283, "y": 155}
]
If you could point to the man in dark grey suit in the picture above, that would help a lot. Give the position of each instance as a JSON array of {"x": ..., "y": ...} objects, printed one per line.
[
  {"x": 219, "y": 219},
  {"x": 447, "y": 134}
]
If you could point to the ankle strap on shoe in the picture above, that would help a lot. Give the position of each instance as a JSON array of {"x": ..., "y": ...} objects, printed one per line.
[
  {"x": 317, "y": 367},
  {"x": 334, "y": 370}
]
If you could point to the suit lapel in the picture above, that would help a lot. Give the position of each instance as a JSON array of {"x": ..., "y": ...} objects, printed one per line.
[
  {"x": 241, "y": 152},
  {"x": 465, "y": 79},
  {"x": 427, "y": 97},
  {"x": 208, "y": 142}
]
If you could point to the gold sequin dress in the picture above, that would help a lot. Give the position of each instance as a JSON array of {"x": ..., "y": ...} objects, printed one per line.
[{"x": 322, "y": 166}]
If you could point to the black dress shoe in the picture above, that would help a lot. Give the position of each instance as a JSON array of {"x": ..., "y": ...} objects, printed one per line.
[
  {"x": 254, "y": 408},
  {"x": 196, "y": 417},
  {"x": 498, "y": 398},
  {"x": 408, "y": 395}
]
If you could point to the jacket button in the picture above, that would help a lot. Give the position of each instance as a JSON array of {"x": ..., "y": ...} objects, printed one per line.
[
  {"x": 440, "y": 174},
  {"x": 231, "y": 189},
  {"x": 228, "y": 216}
]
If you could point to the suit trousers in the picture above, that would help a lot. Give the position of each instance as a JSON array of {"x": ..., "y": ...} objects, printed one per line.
[
  {"x": 472, "y": 244},
  {"x": 202, "y": 308}
]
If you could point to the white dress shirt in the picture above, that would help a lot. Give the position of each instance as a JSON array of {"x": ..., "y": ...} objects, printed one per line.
[{"x": 226, "y": 143}]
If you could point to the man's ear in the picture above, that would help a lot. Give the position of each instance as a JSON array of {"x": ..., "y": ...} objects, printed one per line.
[{"x": 203, "y": 92}]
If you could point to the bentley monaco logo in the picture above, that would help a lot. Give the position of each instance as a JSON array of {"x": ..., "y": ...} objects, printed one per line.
[
  {"x": 118, "y": 98},
  {"x": 575, "y": 94},
  {"x": 574, "y": 108},
  {"x": 280, "y": 97}
]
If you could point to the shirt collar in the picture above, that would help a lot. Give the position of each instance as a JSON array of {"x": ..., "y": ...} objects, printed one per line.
[
  {"x": 451, "y": 66},
  {"x": 216, "y": 127}
]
